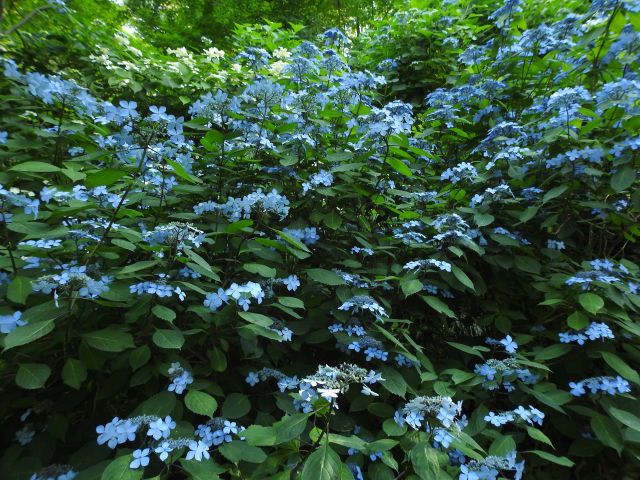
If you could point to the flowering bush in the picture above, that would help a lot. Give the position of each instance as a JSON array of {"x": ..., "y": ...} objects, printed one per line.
[{"x": 294, "y": 276}]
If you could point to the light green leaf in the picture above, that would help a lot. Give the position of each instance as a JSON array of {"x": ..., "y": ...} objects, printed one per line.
[
  {"x": 627, "y": 418},
  {"x": 399, "y": 166},
  {"x": 35, "y": 167},
  {"x": 462, "y": 277},
  {"x": 164, "y": 313},
  {"x": 323, "y": 464},
  {"x": 425, "y": 460},
  {"x": 291, "y": 240},
  {"x": 28, "y": 333},
  {"x": 554, "y": 192},
  {"x": 290, "y": 427},
  {"x": 119, "y": 469},
  {"x": 591, "y": 302},
  {"x": 166, "y": 338},
  {"x": 438, "y": 305},
  {"x": 621, "y": 366},
  {"x": 539, "y": 435},
  {"x": 262, "y": 270},
  {"x": 564, "y": 461},
  {"x": 260, "y": 436},
  {"x": 483, "y": 219},
  {"x": 409, "y": 287},
  {"x": 200, "y": 402},
  {"x": 205, "y": 469},
  {"x": 238, "y": 450},
  {"x": 291, "y": 302},
  {"x": 19, "y": 289}
]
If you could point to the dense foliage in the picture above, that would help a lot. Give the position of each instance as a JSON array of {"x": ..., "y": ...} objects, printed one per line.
[{"x": 410, "y": 254}]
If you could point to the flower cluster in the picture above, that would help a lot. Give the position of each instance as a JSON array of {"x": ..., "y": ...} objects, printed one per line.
[
  {"x": 504, "y": 372},
  {"x": 610, "y": 385},
  {"x": 180, "y": 378},
  {"x": 362, "y": 302},
  {"x": 594, "y": 331},
  {"x": 8, "y": 323},
  {"x": 531, "y": 416}
]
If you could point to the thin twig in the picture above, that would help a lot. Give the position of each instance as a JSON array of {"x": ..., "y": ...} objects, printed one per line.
[{"x": 25, "y": 20}]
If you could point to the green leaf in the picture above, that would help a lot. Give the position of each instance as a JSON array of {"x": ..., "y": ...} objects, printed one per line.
[
  {"x": 438, "y": 305},
  {"x": 164, "y": 313},
  {"x": 332, "y": 220},
  {"x": 462, "y": 277},
  {"x": 323, "y": 464},
  {"x": 238, "y": 450},
  {"x": 256, "y": 318},
  {"x": 621, "y": 367},
  {"x": 554, "y": 192},
  {"x": 262, "y": 270},
  {"x": 260, "y": 436},
  {"x": 591, "y": 302},
  {"x": 577, "y": 320},
  {"x": 466, "y": 349},
  {"x": 502, "y": 445},
  {"x": 528, "y": 214},
  {"x": 349, "y": 442},
  {"x": 139, "y": 357},
  {"x": 166, "y": 338},
  {"x": 483, "y": 219},
  {"x": 201, "y": 403},
  {"x": 19, "y": 289},
  {"x": 291, "y": 240},
  {"x": 202, "y": 263},
  {"x": 425, "y": 460},
  {"x": 607, "y": 431},
  {"x": 161, "y": 404},
  {"x": 409, "y": 287},
  {"x": 623, "y": 178},
  {"x": 28, "y": 333},
  {"x": 236, "y": 405},
  {"x": 211, "y": 139},
  {"x": 291, "y": 302},
  {"x": 326, "y": 277},
  {"x": 137, "y": 266},
  {"x": 205, "y": 469},
  {"x": 74, "y": 373},
  {"x": 108, "y": 176},
  {"x": 527, "y": 264},
  {"x": 538, "y": 435},
  {"x": 35, "y": 167},
  {"x": 290, "y": 427},
  {"x": 239, "y": 225},
  {"x": 394, "y": 381},
  {"x": 627, "y": 418},
  {"x": 553, "y": 351},
  {"x": 181, "y": 172},
  {"x": 399, "y": 166},
  {"x": 109, "y": 340},
  {"x": 119, "y": 469},
  {"x": 564, "y": 461},
  {"x": 32, "y": 375}
]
